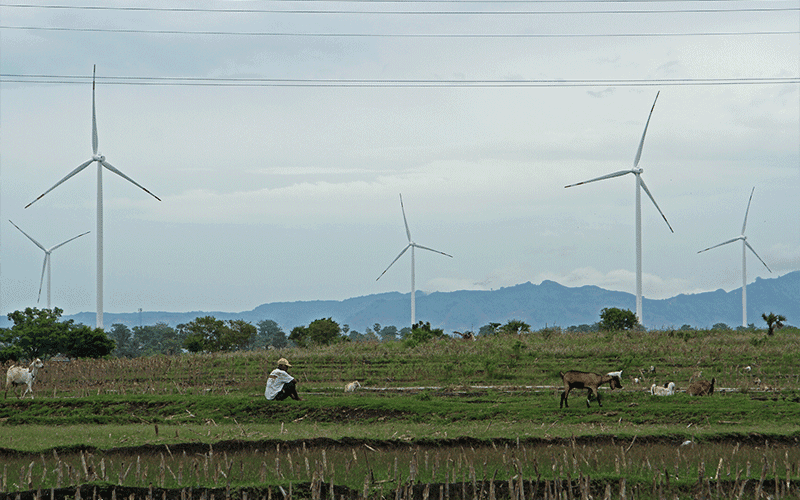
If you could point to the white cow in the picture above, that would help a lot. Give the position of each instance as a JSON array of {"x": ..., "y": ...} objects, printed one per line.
[{"x": 19, "y": 375}]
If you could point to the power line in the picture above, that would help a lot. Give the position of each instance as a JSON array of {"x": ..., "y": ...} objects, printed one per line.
[
  {"x": 398, "y": 12},
  {"x": 397, "y": 35},
  {"x": 300, "y": 82}
]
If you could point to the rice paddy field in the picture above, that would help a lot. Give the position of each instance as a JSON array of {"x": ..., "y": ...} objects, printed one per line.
[{"x": 450, "y": 419}]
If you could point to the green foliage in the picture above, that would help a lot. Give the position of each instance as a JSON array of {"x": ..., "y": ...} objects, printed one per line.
[
  {"x": 82, "y": 341},
  {"x": 515, "y": 326},
  {"x": 421, "y": 333},
  {"x": 774, "y": 321},
  {"x": 614, "y": 319},
  {"x": 490, "y": 329},
  {"x": 269, "y": 334},
  {"x": 10, "y": 353},
  {"x": 38, "y": 333},
  {"x": 318, "y": 332},
  {"x": 125, "y": 346},
  {"x": 722, "y": 327},
  {"x": 157, "y": 339},
  {"x": 208, "y": 334}
]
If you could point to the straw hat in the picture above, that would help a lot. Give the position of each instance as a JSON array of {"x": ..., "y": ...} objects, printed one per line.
[{"x": 284, "y": 361}]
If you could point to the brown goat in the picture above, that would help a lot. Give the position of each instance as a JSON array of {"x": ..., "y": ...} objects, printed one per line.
[
  {"x": 701, "y": 387},
  {"x": 590, "y": 381}
]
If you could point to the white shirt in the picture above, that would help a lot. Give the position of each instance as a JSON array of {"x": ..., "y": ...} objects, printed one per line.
[{"x": 275, "y": 383}]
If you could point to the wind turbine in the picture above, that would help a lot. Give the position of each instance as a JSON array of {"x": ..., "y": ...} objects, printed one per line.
[
  {"x": 637, "y": 172},
  {"x": 101, "y": 162},
  {"x": 745, "y": 246},
  {"x": 46, "y": 264},
  {"x": 412, "y": 246}
]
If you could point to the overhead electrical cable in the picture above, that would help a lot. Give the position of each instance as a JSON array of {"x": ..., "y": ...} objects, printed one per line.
[
  {"x": 300, "y": 82},
  {"x": 400, "y": 12},
  {"x": 398, "y": 35}
]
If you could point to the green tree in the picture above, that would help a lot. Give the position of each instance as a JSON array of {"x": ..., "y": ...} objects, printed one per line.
[
  {"x": 157, "y": 339},
  {"x": 722, "y": 327},
  {"x": 211, "y": 334},
  {"x": 490, "y": 329},
  {"x": 82, "y": 341},
  {"x": 123, "y": 338},
  {"x": 516, "y": 326},
  {"x": 356, "y": 336},
  {"x": 269, "y": 333},
  {"x": 614, "y": 319},
  {"x": 388, "y": 333},
  {"x": 774, "y": 321},
  {"x": 421, "y": 333},
  {"x": 37, "y": 333},
  {"x": 319, "y": 332}
]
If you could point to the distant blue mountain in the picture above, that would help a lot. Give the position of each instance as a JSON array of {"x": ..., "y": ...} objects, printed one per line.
[{"x": 538, "y": 305}]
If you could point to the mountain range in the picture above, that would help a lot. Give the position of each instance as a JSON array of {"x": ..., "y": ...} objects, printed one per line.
[{"x": 546, "y": 304}]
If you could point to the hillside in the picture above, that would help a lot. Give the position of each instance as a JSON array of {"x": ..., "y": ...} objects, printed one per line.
[{"x": 548, "y": 303}]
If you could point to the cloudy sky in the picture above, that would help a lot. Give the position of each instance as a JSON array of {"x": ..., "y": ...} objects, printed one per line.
[{"x": 280, "y": 134}]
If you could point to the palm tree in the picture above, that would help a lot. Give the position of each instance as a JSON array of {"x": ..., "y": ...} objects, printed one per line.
[{"x": 773, "y": 321}]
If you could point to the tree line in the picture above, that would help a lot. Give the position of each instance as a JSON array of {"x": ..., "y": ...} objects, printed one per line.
[{"x": 39, "y": 333}]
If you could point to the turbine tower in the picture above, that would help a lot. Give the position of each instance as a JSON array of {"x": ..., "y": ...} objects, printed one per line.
[
  {"x": 101, "y": 163},
  {"x": 745, "y": 246},
  {"x": 637, "y": 172},
  {"x": 46, "y": 264},
  {"x": 412, "y": 246}
]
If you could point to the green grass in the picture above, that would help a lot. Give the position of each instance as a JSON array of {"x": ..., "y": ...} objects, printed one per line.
[{"x": 457, "y": 402}]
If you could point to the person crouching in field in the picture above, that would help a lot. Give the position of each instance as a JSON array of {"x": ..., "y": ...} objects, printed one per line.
[{"x": 281, "y": 385}]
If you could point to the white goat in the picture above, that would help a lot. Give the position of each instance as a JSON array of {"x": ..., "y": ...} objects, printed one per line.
[
  {"x": 19, "y": 375},
  {"x": 657, "y": 390},
  {"x": 352, "y": 386}
]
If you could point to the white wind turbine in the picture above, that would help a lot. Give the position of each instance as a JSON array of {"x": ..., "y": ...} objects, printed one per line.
[
  {"x": 745, "y": 246},
  {"x": 46, "y": 264},
  {"x": 101, "y": 162},
  {"x": 637, "y": 172},
  {"x": 412, "y": 246}
]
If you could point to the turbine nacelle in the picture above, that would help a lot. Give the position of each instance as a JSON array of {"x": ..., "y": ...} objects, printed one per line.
[{"x": 99, "y": 158}]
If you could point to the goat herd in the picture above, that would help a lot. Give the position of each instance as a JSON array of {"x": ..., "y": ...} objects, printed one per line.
[{"x": 22, "y": 376}]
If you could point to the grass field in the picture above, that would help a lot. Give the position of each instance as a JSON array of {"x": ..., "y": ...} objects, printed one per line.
[{"x": 448, "y": 419}]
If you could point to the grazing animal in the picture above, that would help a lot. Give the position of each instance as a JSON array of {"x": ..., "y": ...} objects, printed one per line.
[
  {"x": 667, "y": 390},
  {"x": 19, "y": 375},
  {"x": 352, "y": 386},
  {"x": 701, "y": 387},
  {"x": 589, "y": 381}
]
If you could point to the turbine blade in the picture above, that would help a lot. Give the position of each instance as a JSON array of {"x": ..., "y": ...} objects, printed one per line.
[
  {"x": 395, "y": 260},
  {"x": 94, "y": 116},
  {"x": 29, "y": 236},
  {"x": 720, "y": 244},
  {"x": 644, "y": 186},
  {"x": 608, "y": 176},
  {"x": 116, "y": 171},
  {"x": 432, "y": 250},
  {"x": 408, "y": 231},
  {"x": 44, "y": 266},
  {"x": 81, "y": 167},
  {"x": 641, "y": 143},
  {"x": 65, "y": 242},
  {"x": 748, "y": 210},
  {"x": 759, "y": 258}
]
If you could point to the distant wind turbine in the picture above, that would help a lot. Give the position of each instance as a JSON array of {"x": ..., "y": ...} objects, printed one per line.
[
  {"x": 637, "y": 172},
  {"x": 412, "y": 246},
  {"x": 46, "y": 264},
  {"x": 745, "y": 246},
  {"x": 101, "y": 162}
]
